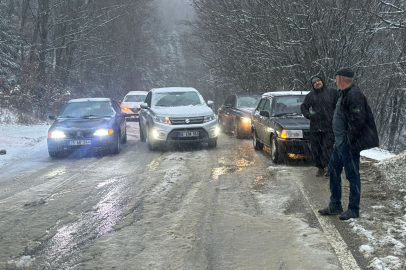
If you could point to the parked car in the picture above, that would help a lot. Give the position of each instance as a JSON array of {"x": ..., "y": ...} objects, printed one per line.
[
  {"x": 131, "y": 104},
  {"x": 95, "y": 123},
  {"x": 177, "y": 115},
  {"x": 278, "y": 123},
  {"x": 235, "y": 114}
]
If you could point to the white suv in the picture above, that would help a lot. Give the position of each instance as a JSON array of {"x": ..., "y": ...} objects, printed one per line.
[
  {"x": 177, "y": 115},
  {"x": 131, "y": 104}
]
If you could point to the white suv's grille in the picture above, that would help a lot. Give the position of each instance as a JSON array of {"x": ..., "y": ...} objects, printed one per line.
[{"x": 186, "y": 120}]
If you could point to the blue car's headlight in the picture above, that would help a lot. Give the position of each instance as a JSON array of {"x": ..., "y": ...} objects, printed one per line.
[
  {"x": 56, "y": 134},
  {"x": 103, "y": 132}
]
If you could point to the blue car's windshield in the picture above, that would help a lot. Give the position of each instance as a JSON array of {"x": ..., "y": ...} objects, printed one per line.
[{"x": 86, "y": 109}]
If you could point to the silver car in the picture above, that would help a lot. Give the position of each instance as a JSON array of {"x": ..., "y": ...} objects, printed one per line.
[
  {"x": 131, "y": 104},
  {"x": 177, "y": 115}
]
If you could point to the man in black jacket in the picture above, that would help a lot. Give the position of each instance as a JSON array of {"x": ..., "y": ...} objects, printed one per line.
[
  {"x": 354, "y": 131},
  {"x": 319, "y": 106}
]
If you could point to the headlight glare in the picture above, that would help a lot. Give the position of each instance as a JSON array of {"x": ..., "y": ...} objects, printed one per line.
[
  {"x": 103, "y": 132},
  {"x": 57, "y": 134},
  {"x": 246, "y": 120}
]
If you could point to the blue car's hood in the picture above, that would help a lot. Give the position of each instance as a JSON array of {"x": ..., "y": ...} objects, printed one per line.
[{"x": 80, "y": 123}]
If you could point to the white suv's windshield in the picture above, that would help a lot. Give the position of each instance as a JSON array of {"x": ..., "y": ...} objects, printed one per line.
[
  {"x": 86, "y": 109},
  {"x": 134, "y": 98},
  {"x": 176, "y": 99}
]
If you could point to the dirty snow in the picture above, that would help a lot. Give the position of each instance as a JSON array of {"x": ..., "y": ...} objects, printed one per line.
[{"x": 22, "y": 142}]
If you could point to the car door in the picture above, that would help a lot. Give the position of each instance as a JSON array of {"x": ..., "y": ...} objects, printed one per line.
[
  {"x": 267, "y": 122},
  {"x": 143, "y": 115},
  {"x": 227, "y": 115},
  {"x": 120, "y": 119},
  {"x": 256, "y": 118}
]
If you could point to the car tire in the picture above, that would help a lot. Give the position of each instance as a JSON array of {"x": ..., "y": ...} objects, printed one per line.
[
  {"x": 142, "y": 134},
  {"x": 212, "y": 143},
  {"x": 117, "y": 146},
  {"x": 150, "y": 142},
  {"x": 53, "y": 154},
  {"x": 275, "y": 153},
  {"x": 237, "y": 131},
  {"x": 220, "y": 124},
  {"x": 125, "y": 137},
  {"x": 255, "y": 142}
]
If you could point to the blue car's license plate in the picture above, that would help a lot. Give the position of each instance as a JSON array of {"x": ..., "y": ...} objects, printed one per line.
[
  {"x": 188, "y": 134},
  {"x": 79, "y": 142}
]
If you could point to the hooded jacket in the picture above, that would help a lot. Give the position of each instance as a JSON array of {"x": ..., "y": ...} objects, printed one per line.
[{"x": 319, "y": 106}]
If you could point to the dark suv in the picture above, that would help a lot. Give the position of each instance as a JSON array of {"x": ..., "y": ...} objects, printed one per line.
[{"x": 278, "y": 123}]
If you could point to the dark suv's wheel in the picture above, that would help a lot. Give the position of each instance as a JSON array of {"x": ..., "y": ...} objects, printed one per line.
[
  {"x": 275, "y": 154},
  {"x": 212, "y": 143},
  {"x": 255, "y": 142},
  {"x": 237, "y": 131}
]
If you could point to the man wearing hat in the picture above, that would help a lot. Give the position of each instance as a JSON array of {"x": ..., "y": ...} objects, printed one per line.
[
  {"x": 318, "y": 106},
  {"x": 354, "y": 130}
]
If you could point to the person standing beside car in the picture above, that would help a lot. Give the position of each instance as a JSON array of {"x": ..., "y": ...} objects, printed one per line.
[
  {"x": 354, "y": 130},
  {"x": 318, "y": 106}
]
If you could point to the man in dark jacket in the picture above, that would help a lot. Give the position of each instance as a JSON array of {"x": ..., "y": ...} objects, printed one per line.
[
  {"x": 354, "y": 131},
  {"x": 319, "y": 106}
]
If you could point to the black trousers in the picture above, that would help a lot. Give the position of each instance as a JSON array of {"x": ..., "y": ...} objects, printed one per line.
[{"x": 322, "y": 146}]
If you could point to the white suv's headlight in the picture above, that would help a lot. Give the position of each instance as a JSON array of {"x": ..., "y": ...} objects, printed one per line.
[
  {"x": 292, "y": 134},
  {"x": 163, "y": 120},
  {"x": 209, "y": 118}
]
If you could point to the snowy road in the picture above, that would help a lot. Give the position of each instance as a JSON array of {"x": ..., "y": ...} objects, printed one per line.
[{"x": 192, "y": 208}]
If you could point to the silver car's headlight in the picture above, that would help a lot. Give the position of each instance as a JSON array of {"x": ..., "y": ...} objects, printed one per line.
[
  {"x": 292, "y": 134},
  {"x": 209, "y": 118},
  {"x": 57, "y": 134},
  {"x": 160, "y": 119}
]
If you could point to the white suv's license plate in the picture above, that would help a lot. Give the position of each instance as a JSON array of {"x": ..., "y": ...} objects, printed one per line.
[
  {"x": 188, "y": 134},
  {"x": 80, "y": 142}
]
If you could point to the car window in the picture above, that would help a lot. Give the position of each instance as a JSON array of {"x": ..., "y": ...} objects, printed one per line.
[
  {"x": 288, "y": 104},
  {"x": 228, "y": 101},
  {"x": 116, "y": 107},
  {"x": 267, "y": 106},
  {"x": 148, "y": 99},
  {"x": 247, "y": 102},
  {"x": 261, "y": 105},
  {"x": 86, "y": 109},
  {"x": 135, "y": 98},
  {"x": 176, "y": 99}
]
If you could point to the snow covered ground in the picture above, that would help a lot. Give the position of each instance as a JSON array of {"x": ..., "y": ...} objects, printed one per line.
[{"x": 21, "y": 142}]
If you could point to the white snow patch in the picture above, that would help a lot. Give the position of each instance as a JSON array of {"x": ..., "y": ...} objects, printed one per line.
[
  {"x": 367, "y": 250},
  {"x": 25, "y": 261},
  {"x": 387, "y": 263}
]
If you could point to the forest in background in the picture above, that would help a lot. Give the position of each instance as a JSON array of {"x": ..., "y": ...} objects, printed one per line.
[{"x": 55, "y": 50}]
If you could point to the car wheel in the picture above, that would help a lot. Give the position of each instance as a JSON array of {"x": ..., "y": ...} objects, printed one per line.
[
  {"x": 255, "y": 142},
  {"x": 275, "y": 155},
  {"x": 237, "y": 131},
  {"x": 117, "y": 146},
  {"x": 151, "y": 144},
  {"x": 125, "y": 137},
  {"x": 222, "y": 129},
  {"x": 212, "y": 143},
  {"x": 142, "y": 134},
  {"x": 52, "y": 153}
]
